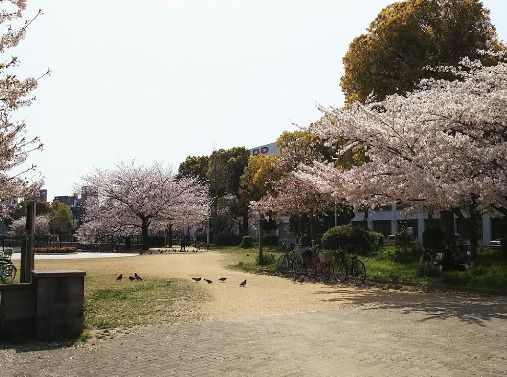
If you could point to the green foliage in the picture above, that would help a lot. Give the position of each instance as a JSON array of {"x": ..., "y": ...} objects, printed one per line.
[
  {"x": 227, "y": 239},
  {"x": 270, "y": 240},
  {"x": 434, "y": 238},
  {"x": 257, "y": 178},
  {"x": 60, "y": 219},
  {"x": 247, "y": 242},
  {"x": 376, "y": 239},
  {"x": 351, "y": 237},
  {"x": 407, "y": 248},
  {"x": 268, "y": 260},
  {"x": 225, "y": 168},
  {"x": 407, "y": 36},
  {"x": 194, "y": 166},
  {"x": 41, "y": 208}
]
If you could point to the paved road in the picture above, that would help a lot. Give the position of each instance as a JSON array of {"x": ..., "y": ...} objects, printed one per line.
[
  {"x": 76, "y": 255},
  {"x": 452, "y": 337}
]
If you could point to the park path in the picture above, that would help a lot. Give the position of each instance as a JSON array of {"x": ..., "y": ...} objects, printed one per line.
[
  {"x": 274, "y": 327},
  {"x": 263, "y": 294}
]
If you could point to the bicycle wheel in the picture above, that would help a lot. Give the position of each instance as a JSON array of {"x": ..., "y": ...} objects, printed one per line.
[
  {"x": 340, "y": 271},
  {"x": 298, "y": 266},
  {"x": 8, "y": 272},
  {"x": 358, "y": 272},
  {"x": 283, "y": 263}
]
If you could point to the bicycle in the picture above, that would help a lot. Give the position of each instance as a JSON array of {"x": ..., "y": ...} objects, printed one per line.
[
  {"x": 7, "y": 269},
  {"x": 343, "y": 269},
  {"x": 286, "y": 261}
]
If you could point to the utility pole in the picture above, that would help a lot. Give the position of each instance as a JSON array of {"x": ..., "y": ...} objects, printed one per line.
[{"x": 27, "y": 255}]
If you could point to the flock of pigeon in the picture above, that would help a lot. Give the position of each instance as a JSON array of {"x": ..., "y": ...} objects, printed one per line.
[
  {"x": 136, "y": 277},
  {"x": 197, "y": 280}
]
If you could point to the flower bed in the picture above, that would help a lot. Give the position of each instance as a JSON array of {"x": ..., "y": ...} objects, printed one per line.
[{"x": 55, "y": 250}]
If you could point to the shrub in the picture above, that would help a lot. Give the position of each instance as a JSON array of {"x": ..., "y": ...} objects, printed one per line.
[
  {"x": 271, "y": 240},
  {"x": 55, "y": 249},
  {"x": 347, "y": 236},
  {"x": 268, "y": 259},
  {"x": 247, "y": 242},
  {"x": 434, "y": 239},
  {"x": 227, "y": 239},
  {"x": 408, "y": 249},
  {"x": 376, "y": 239}
]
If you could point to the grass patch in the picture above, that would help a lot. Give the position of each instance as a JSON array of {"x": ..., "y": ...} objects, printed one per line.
[
  {"x": 110, "y": 304},
  {"x": 489, "y": 272},
  {"x": 126, "y": 304},
  {"x": 247, "y": 259}
]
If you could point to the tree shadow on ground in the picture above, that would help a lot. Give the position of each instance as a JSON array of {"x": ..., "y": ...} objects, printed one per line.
[{"x": 468, "y": 308}]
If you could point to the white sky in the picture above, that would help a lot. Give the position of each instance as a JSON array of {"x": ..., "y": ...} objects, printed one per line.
[{"x": 160, "y": 80}]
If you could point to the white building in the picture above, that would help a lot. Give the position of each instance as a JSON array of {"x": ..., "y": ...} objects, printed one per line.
[
  {"x": 386, "y": 220},
  {"x": 265, "y": 150}
]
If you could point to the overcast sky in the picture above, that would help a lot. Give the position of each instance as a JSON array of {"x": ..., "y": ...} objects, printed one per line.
[{"x": 160, "y": 80}]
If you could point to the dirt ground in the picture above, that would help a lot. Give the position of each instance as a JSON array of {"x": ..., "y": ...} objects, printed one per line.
[{"x": 263, "y": 295}]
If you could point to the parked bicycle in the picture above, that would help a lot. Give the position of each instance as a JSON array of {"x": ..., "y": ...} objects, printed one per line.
[
  {"x": 7, "y": 269},
  {"x": 286, "y": 260},
  {"x": 348, "y": 268}
]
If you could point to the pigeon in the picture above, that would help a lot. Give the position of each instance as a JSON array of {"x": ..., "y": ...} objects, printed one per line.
[
  {"x": 119, "y": 277},
  {"x": 196, "y": 279},
  {"x": 222, "y": 279},
  {"x": 208, "y": 281},
  {"x": 137, "y": 277},
  {"x": 243, "y": 283},
  {"x": 248, "y": 255},
  {"x": 131, "y": 278},
  {"x": 301, "y": 279}
]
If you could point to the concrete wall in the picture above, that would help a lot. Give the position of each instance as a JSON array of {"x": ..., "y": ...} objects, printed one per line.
[{"x": 50, "y": 308}]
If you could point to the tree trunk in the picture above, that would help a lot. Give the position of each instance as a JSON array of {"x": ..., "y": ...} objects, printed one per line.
[
  {"x": 312, "y": 241},
  {"x": 366, "y": 218},
  {"x": 261, "y": 254},
  {"x": 170, "y": 236},
  {"x": 474, "y": 226},
  {"x": 245, "y": 224},
  {"x": 447, "y": 221},
  {"x": 503, "y": 222},
  {"x": 144, "y": 232}
]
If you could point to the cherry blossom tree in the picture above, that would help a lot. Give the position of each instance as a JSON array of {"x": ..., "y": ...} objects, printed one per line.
[
  {"x": 135, "y": 199},
  {"x": 15, "y": 93},
  {"x": 41, "y": 226},
  {"x": 441, "y": 147}
]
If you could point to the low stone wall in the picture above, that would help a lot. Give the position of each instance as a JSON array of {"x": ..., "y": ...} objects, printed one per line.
[
  {"x": 50, "y": 308},
  {"x": 17, "y": 312}
]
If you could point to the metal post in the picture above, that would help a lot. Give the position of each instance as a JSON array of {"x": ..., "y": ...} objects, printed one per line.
[
  {"x": 27, "y": 255},
  {"x": 207, "y": 231}
]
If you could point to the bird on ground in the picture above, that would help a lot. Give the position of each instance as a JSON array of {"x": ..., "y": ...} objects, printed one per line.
[
  {"x": 137, "y": 277},
  {"x": 196, "y": 279},
  {"x": 301, "y": 279},
  {"x": 243, "y": 283},
  {"x": 119, "y": 277},
  {"x": 222, "y": 279},
  {"x": 208, "y": 281},
  {"x": 131, "y": 278}
]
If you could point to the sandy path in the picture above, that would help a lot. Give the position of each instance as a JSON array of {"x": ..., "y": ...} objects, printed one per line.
[{"x": 263, "y": 295}]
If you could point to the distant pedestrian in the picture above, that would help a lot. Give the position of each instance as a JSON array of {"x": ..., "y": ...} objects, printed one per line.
[{"x": 182, "y": 244}]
